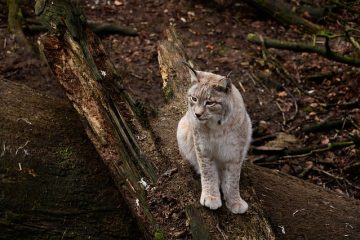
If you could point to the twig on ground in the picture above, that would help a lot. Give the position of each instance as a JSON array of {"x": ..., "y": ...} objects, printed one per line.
[
  {"x": 353, "y": 41},
  {"x": 318, "y": 77},
  {"x": 284, "y": 153},
  {"x": 22, "y": 148},
  {"x": 351, "y": 184},
  {"x": 328, "y": 125},
  {"x": 242, "y": 86},
  {"x": 3, "y": 151},
  {"x": 225, "y": 237},
  {"x": 256, "y": 141},
  {"x": 282, "y": 112},
  {"x": 327, "y": 173},
  {"x": 25, "y": 120}
]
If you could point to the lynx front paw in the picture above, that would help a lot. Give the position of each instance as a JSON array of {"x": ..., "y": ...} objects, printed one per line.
[
  {"x": 237, "y": 207},
  {"x": 210, "y": 201}
]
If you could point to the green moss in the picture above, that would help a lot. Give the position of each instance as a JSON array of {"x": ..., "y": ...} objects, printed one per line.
[
  {"x": 67, "y": 157},
  {"x": 65, "y": 153},
  {"x": 307, "y": 109},
  {"x": 168, "y": 92},
  {"x": 159, "y": 235}
]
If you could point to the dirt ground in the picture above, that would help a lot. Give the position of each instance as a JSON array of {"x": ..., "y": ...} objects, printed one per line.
[{"x": 278, "y": 88}]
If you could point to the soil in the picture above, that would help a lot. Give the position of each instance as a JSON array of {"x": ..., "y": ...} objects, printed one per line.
[{"x": 272, "y": 82}]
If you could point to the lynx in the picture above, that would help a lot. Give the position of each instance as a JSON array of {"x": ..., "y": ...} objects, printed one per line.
[{"x": 214, "y": 136}]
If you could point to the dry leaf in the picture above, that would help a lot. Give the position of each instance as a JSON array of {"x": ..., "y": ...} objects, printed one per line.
[
  {"x": 282, "y": 94},
  {"x": 210, "y": 46},
  {"x": 324, "y": 139},
  {"x": 118, "y": 3}
]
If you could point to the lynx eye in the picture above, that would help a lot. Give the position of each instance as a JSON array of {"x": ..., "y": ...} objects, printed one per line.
[
  {"x": 210, "y": 103},
  {"x": 194, "y": 99}
]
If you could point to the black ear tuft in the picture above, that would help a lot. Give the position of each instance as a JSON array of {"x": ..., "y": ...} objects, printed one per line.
[
  {"x": 193, "y": 74},
  {"x": 224, "y": 85}
]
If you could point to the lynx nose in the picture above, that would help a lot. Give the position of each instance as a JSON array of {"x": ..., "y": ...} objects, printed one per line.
[{"x": 198, "y": 115}]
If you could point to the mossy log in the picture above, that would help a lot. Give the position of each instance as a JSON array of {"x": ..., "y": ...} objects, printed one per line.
[{"x": 324, "y": 51}]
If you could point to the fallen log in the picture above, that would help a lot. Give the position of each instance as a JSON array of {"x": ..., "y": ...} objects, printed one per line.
[
  {"x": 80, "y": 63},
  {"x": 303, "y": 47},
  {"x": 100, "y": 28},
  {"x": 284, "y": 153},
  {"x": 302, "y": 210},
  {"x": 328, "y": 125}
]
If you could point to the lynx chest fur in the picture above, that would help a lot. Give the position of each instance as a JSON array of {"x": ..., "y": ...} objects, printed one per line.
[{"x": 214, "y": 136}]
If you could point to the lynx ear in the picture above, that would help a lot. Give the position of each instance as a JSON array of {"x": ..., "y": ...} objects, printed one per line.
[
  {"x": 193, "y": 74},
  {"x": 224, "y": 85}
]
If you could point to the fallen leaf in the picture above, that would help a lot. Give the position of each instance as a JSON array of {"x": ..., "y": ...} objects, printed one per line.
[
  {"x": 324, "y": 139},
  {"x": 283, "y": 140},
  {"x": 282, "y": 94},
  {"x": 210, "y": 46},
  {"x": 118, "y": 3}
]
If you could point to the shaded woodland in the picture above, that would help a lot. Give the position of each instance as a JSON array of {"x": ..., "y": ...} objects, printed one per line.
[{"x": 90, "y": 97}]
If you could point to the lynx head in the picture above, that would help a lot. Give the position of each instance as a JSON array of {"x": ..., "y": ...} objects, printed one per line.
[{"x": 209, "y": 98}]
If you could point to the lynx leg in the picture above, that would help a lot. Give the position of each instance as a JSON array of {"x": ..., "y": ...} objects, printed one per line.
[
  {"x": 210, "y": 192},
  {"x": 186, "y": 143},
  {"x": 230, "y": 188}
]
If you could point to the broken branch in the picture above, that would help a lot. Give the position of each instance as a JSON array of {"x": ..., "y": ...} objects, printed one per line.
[{"x": 302, "y": 47}]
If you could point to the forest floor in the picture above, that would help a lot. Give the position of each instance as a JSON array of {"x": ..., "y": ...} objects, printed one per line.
[{"x": 279, "y": 87}]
